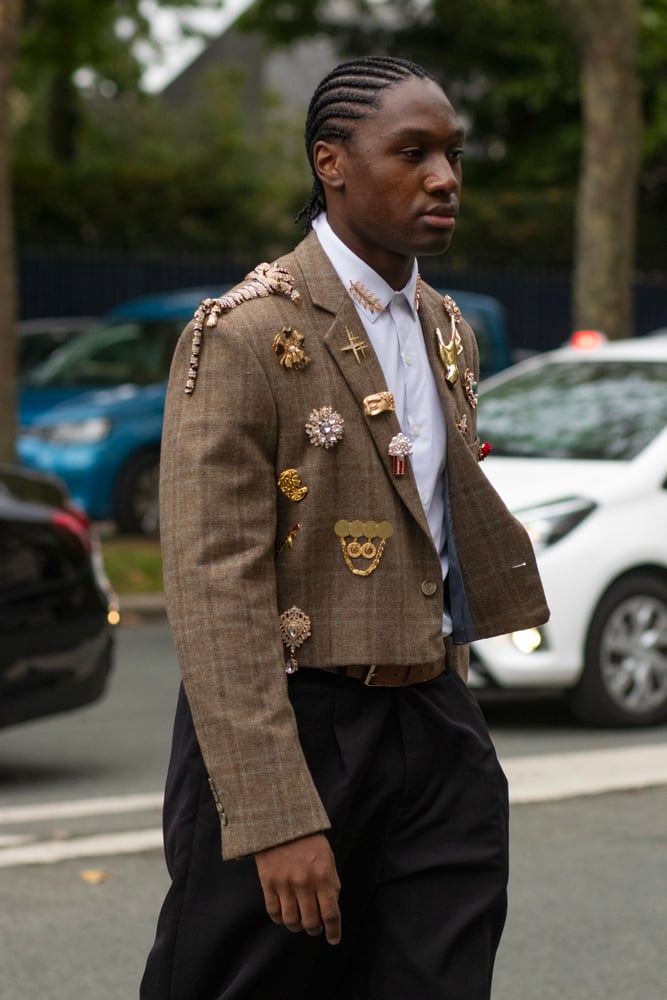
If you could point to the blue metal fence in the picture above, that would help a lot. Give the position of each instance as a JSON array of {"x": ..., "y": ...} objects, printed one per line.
[{"x": 78, "y": 282}]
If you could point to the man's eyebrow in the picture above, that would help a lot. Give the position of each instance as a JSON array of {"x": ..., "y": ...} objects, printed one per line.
[{"x": 408, "y": 133}]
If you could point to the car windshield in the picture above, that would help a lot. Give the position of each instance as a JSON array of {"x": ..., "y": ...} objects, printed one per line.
[
  {"x": 607, "y": 410},
  {"x": 126, "y": 352}
]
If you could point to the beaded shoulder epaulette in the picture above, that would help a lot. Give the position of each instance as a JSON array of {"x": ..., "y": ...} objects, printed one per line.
[{"x": 264, "y": 280}]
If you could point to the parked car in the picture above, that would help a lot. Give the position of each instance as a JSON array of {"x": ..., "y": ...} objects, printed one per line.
[
  {"x": 56, "y": 606},
  {"x": 92, "y": 412},
  {"x": 579, "y": 454},
  {"x": 38, "y": 338}
]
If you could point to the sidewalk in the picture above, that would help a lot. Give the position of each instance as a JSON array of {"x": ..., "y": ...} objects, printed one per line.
[{"x": 138, "y": 608}]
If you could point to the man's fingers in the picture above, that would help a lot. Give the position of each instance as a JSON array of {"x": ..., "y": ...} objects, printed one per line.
[
  {"x": 330, "y": 913},
  {"x": 284, "y": 910},
  {"x": 307, "y": 912},
  {"x": 317, "y": 913},
  {"x": 273, "y": 907},
  {"x": 311, "y": 919}
]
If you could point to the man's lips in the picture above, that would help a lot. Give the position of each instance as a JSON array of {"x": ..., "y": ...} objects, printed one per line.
[{"x": 441, "y": 216}]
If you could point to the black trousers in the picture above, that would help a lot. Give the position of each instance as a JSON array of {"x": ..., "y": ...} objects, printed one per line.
[{"x": 418, "y": 805}]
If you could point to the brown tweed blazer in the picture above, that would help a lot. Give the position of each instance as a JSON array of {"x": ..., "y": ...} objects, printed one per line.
[{"x": 234, "y": 560}]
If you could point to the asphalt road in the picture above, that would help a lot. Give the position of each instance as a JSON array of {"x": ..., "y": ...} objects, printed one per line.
[{"x": 587, "y": 892}]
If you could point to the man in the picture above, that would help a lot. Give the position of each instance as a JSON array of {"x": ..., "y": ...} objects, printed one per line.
[{"x": 330, "y": 546}]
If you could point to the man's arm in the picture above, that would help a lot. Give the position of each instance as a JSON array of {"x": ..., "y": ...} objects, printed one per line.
[{"x": 217, "y": 525}]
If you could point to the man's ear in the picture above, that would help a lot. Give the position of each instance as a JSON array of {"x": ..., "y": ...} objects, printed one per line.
[{"x": 329, "y": 163}]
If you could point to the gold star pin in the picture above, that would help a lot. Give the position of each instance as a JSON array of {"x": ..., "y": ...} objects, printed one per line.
[{"x": 355, "y": 344}]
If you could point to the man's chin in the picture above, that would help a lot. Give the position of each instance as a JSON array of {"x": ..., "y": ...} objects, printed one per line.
[{"x": 433, "y": 247}]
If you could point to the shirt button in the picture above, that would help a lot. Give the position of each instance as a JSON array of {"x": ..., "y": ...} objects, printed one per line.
[
  {"x": 429, "y": 588},
  {"x": 407, "y": 359},
  {"x": 416, "y": 430}
]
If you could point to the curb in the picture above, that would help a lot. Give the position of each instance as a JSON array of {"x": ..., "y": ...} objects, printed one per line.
[{"x": 138, "y": 608}]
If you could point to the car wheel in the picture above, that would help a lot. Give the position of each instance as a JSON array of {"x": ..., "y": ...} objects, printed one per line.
[
  {"x": 625, "y": 669},
  {"x": 136, "y": 508}
]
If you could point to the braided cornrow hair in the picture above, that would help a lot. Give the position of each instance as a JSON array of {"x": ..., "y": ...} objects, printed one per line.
[{"x": 345, "y": 96}]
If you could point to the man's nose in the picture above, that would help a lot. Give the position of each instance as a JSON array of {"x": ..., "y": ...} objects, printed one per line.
[{"x": 442, "y": 176}]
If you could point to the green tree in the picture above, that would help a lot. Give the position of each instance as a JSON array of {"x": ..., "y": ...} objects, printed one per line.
[
  {"x": 10, "y": 13},
  {"x": 62, "y": 37},
  {"x": 156, "y": 176},
  {"x": 551, "y": 90},
  {"x": 50, "y": 40}
]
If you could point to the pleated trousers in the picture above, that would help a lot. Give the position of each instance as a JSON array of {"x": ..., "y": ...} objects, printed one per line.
[{"x": 418, "y": 806}]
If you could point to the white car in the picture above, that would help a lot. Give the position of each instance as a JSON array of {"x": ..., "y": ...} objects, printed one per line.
[{"x": 579, "y": 439}]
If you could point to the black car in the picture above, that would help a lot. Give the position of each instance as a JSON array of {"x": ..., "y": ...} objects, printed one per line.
[{"x": 56, "y": 606}]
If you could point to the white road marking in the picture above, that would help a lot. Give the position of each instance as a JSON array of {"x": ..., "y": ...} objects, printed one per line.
[
  {"x": 17, "y": 839},
  {"x": 548, "y": 777},
  {"x": 538, "y": 778},
  {"x": 80, "y": 807},
  {"x": 105, "y": 845}
]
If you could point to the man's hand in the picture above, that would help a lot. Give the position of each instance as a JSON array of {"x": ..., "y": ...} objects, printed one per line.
[{"x": 301, "y": 886}]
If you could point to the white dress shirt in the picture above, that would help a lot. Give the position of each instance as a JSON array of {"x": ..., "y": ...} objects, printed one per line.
[{"x": 394, "y": 329}]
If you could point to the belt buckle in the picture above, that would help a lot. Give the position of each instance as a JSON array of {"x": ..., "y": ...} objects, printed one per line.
[{"x": 368, "y": 679}]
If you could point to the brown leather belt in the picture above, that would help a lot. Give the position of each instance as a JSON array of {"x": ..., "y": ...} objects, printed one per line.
[{"x": 389, "y": 676}]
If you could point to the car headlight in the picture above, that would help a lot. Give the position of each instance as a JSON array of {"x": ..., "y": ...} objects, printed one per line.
[
  {"x": 550, "y": 522},
  {"x": 82, "y": 432}
]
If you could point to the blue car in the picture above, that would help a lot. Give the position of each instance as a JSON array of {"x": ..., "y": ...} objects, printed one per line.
[{"x": 92, "y": 411}]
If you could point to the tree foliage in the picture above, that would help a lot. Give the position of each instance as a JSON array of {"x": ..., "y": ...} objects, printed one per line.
[
  {"x": 535, "y": 79},
  {"x": 150, "y": 175},
  {"x": 62, "y": 37}
]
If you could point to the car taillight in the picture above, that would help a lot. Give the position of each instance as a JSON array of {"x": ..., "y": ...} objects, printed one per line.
[{"x": 76, "y": 522}]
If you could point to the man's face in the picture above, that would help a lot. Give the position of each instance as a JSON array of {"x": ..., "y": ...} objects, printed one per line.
[{"x": 399, "y": 185}]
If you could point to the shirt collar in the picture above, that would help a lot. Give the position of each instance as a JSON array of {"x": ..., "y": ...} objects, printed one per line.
[{"x": 364, "y": 285}]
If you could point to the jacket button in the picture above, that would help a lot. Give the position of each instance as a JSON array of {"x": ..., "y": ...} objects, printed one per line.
[{"x": 429, "y": 588}]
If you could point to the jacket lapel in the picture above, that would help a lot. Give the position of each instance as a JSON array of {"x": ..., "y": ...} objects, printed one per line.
[
  {"x": 453, "y": 398},
  {"x": 433, "y": 315},
  {"x": 362, "y": 373}
]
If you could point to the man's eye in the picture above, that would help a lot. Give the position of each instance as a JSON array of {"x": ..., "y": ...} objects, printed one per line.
[
  {"x": 413, "y": 153},
  {"x": 455, "y": 155}
]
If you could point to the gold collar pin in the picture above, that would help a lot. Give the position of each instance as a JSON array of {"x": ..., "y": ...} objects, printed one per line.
[{"x": 365, "y": 298}]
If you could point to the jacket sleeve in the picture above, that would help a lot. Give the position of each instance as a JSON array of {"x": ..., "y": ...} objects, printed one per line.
[{"x": 217, "y": 526}]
